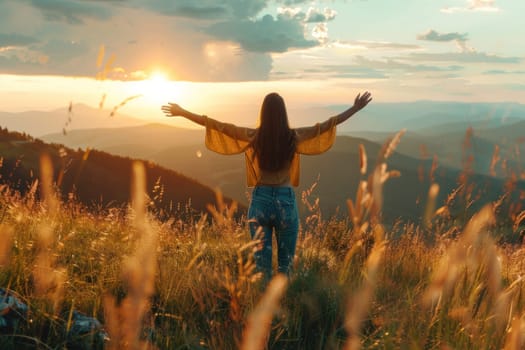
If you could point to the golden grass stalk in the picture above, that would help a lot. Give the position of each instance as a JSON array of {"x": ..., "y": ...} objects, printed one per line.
[
  {"x": 362, "y": 159},
  {"x": 390, "y": 146},
  {"x": 100, "y": 57},
  {"x": 433, "y": 168},
  {"x": 102, "y": 101},
  {"x": 494, "y": 160},
  {"x": 461, "y": 254},
  {"x": 360, "y": 301},
  {"x": 516, "y": 336},
  {"x": 431, "y": 204},
  {"x": 49, "y": 280},
  {"x": 259, "y": 321},
  {"x": 503, "y": 307},
  {"x": 122, "y": 104},
  {"x": 125, "y": 321},
  {"x": 6, "y": 242},
  {"x": 519, "y": 219},
  {"x": 222, "y": 213},
  {"x": 46, "y": 185}
]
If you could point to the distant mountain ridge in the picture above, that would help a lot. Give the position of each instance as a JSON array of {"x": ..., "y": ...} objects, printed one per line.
[
  {"x": 389, "y": 117},
  {"x": 78, "y": 116},
  {"x": 377, "y": 117},
  {"x": 98, "y": 178}
]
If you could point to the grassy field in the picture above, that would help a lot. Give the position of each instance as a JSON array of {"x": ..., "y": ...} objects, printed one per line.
[{"x": 447, "y": 282}]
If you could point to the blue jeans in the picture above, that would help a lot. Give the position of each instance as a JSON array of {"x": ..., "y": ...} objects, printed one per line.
[{"x": 274, "y": 208}]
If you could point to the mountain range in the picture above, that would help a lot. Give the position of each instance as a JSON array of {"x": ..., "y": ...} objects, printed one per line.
[{"x": 482, "y": 140}]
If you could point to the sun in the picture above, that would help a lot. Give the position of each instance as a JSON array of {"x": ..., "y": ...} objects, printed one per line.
[
  {"x": 158, "y": 77},
  {"x": 157, "y": 88}
]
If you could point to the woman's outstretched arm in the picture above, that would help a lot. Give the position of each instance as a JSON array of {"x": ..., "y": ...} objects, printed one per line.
[
  {"x": 236, "y": 133},
  {"x": 360, "y": 102},
  {"x": 174, "y": 110},
  {"x": 328, "y": 125}
]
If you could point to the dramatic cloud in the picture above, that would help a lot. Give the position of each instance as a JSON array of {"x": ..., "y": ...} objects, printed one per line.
[
  {"x": 231, "y": 40},
  {"x": 194, "y": 40},
  {"x": 474, "y": 6},
  {"x": 264, "y": 35},
  {"x": 209, "y": 41}
]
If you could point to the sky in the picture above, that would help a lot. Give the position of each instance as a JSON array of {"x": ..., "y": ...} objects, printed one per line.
[{"x": 225, "y": 55}]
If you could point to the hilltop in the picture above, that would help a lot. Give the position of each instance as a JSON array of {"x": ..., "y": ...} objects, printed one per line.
[{"x": 95, "y": 177}]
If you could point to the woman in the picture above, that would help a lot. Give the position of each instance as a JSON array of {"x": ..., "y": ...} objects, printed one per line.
[{"x": 272, "y": 167}]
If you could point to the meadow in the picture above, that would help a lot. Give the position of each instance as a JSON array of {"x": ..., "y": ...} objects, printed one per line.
[{"x": 453, "y": 280}]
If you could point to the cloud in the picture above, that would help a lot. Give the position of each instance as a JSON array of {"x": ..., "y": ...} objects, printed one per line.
[
  {"x": 432, "y": 35},
  {"x": 228, "y": 62},
  {"x": 320, "y": 32},
  {"x": 263, "y": 35},
  {"x": 458, "y": 38},
  {"x": 291, "y": 13},
  {"x": 393, "y": 64},
  {"x": 72, "y": 12},
  {"x": 516, "y": 87},
  {"x": 196, "y": 11},
  {"x": 292, "y": 2},
  {"x": 189, "y": 9},
  {"x": 474, "y": 6},
  {"x": 312, "y": 15},
  {"x": 353, "y": 71},
  {"x": 331, "y": 71},
  {"x": 362, "y": 68},
  {"x": 63, "y": 38},
  {"x": 25, "y": 57},
  {"x": 13, "y": 39},
  {"x": 374, "y": 45},
  {"x": 464, "y": 57},
  {"x": 140, "y": 40},
  {"x": 503, "y": 72},
  {"x": 53, "y": 57},
  {"x": 206, "y": 9}
]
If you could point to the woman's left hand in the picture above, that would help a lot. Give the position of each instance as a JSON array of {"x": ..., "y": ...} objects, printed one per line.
[{"x": 362, "y": 100}]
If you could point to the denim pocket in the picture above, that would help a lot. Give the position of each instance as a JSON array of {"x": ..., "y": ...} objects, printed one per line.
[{"x": 287, "y": 209}]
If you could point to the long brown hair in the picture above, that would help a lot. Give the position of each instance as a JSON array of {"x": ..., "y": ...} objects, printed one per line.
[{"x": 274, "y": 143}]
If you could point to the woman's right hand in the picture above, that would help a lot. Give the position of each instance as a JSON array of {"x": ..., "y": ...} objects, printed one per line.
[
  {"x": 362, "y": 100},
  {"x": 173, "y": 110}
]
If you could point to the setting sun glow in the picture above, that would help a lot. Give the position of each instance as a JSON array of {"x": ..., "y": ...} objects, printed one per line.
[
  {"x": 158, "y": 88},
  {"x": 155, "y": 90}
]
